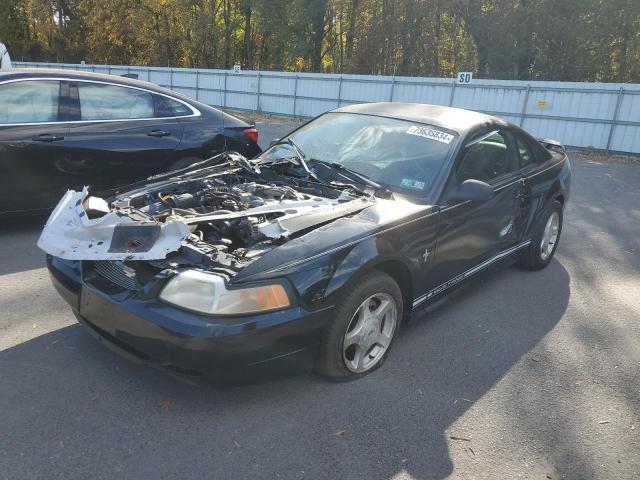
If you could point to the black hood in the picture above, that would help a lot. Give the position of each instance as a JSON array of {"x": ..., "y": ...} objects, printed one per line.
[{"x": 300, "y": 253}]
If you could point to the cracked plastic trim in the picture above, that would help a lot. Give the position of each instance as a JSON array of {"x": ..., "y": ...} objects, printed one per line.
[{"x": 70, "y": 234}]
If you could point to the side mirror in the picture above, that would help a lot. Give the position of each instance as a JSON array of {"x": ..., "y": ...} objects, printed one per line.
[{"x": 474, "y": 191}]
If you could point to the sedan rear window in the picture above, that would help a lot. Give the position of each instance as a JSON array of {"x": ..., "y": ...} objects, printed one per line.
[
  {"x": 33, "y": 101},
  {"x": 399, "y": 154}
]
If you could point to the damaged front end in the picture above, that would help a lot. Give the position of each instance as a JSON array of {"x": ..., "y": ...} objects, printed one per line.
[{"x": 218, "y": 218}]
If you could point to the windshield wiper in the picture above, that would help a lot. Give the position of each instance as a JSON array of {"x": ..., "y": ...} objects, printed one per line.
[
  {"x": 299, "y": 153},
  {"x": 359, "y": 177}
]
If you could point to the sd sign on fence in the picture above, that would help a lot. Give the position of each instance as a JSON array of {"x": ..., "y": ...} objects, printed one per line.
[{"x": 465, "y": 78}]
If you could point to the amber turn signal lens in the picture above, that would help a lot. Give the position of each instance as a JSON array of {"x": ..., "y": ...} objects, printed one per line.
[{"x": 273, "y": 296}]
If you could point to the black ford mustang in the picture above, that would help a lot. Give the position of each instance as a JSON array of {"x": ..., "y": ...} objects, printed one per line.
[{"x": 314, "y": 253}]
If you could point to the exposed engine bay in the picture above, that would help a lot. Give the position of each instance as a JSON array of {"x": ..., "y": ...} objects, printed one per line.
[{"x": 223, "y": 215}]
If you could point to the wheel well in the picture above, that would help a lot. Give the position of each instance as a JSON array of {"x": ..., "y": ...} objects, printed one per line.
[
  {"x": 400, "y": 273},
  {"x": 555, "y": 193}
]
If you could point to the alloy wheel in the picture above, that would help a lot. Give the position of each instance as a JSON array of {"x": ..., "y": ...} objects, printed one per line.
[
  {"x": 550, "y": 236},
  {"x": 370, "y": 332}
]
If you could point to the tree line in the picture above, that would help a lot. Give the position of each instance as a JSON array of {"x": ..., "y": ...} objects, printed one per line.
[{"x": 571, "y": 40}]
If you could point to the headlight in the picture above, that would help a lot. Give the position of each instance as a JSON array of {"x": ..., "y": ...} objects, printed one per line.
[{"x": 207, "y": 293}]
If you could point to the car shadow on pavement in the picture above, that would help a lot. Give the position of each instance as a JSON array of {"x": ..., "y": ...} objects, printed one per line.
[
  {"x": 18, "y": 250},
  {"x": 72, "y": 409}
]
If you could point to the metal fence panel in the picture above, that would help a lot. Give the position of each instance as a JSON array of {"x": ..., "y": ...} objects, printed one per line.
[
  {"x": 277, "y": 85},
  {"x": 356, "y": 90},
  {"x": 590, "y": 115},
  {"x": 434, "y": 94},
  {"x": 629, "y": 108},
  {"x": 626, "y": 139},
  {"x": 276, "y": 105}
]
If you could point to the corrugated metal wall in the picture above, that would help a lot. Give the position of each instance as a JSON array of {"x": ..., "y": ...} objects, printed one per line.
[{"x": 602, "y": 116}]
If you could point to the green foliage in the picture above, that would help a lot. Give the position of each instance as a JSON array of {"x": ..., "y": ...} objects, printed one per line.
[{"x": 577, "y": 40}]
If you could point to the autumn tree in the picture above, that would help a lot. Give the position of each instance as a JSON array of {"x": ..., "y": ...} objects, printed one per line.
[{"x": 584, "y": 40}]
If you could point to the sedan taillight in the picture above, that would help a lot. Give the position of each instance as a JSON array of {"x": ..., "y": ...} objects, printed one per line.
[{"x": 252, "y": 133}]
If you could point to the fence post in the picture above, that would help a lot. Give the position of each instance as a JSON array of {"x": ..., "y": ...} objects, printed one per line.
[
  {"x": 615, "y": 117},
  {"x": 171, "y": 78},
  {"x": 295, "y": 95},
  {"x": 340, "y": 91},
  {"x": 453, "y": 91},
  {"x": 109, "y": 69},
  {"x": 524, "y": 105},
  {"x": 224, "y": 94},
  {"x": 258, "y": 94},
  {"x": 197, "y": 84},
  {"x": 393, "y": 83}
]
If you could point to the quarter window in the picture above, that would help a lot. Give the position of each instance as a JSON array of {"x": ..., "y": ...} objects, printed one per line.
[
  {"x": 487, "y": 159},
  {"x": 110, "y": 102},
  {"x": 524, "y": 152},
  {"x": 33, "y": 101},
  {"x": 176, "y": 108},
  {"x": 168, "y": 107}
]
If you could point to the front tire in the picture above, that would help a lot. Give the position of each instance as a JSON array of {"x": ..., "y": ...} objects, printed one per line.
[
  {"x": 359, "y": 338},
  {"x": 545, "y": 239}
]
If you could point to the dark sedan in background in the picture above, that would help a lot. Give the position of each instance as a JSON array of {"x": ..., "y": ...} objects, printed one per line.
[{"x": 62, "y": 129}]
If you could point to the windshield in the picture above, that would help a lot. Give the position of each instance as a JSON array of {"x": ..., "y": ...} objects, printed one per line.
[{"x": 401, "y": 155}]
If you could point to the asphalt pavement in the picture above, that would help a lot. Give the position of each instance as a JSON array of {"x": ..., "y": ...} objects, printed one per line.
[{"x": 524, "y": 375}]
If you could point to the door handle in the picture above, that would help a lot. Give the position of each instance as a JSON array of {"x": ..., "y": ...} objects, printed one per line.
[
  {"x": 47, "y": 137},
  {"x": 158, "y": 133}
]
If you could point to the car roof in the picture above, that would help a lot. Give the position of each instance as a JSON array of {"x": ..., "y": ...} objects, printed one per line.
[
  {"x": 456, "y": 119},
  {"x": 78, "y": 75}
]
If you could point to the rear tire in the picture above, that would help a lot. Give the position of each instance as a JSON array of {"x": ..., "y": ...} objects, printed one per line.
[
  {"x": 544, "y": 241},
  {"x": 367, "y": 319}
]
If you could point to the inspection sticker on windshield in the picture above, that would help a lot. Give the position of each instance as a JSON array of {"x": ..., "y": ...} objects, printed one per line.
[
  {"x": 431, "y": 133},
  {"x": 411, "y": 183}
]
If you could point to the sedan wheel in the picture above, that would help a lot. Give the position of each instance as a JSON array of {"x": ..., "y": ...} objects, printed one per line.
[{"x": 369, "y": 332}]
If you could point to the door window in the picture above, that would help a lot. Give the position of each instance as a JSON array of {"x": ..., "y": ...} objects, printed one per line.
[
  {"x": 32, "y": 101},
  {"x": 100, "y": 101},
  {"x": 488, "y": 160}
]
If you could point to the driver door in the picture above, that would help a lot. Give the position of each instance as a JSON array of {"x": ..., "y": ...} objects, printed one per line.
[{"x": 471, "y": 235}]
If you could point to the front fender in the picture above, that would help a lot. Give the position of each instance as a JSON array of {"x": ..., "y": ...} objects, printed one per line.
[{"x": 364, "y": 257}]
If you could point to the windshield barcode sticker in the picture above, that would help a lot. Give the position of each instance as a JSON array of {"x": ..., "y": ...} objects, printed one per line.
[{"x": 431, "y": 133}]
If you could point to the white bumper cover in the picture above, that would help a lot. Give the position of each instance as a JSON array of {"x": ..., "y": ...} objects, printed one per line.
[{"x": 71, "y": 235}]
